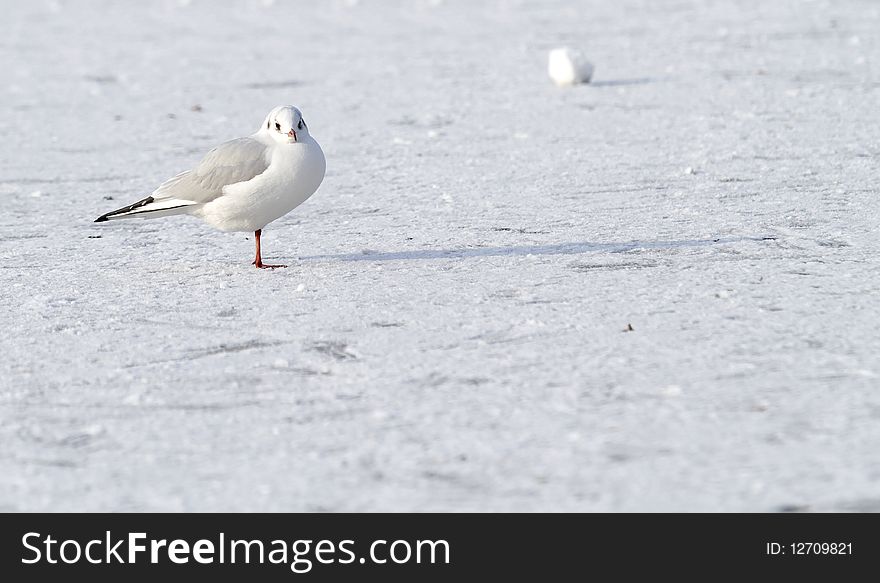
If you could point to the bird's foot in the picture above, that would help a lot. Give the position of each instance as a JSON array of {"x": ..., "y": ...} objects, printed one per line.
[{"x": 261, "y": 265}]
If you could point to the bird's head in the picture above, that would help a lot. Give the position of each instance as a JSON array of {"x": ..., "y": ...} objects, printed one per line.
[{"x": 285, "y": 124}]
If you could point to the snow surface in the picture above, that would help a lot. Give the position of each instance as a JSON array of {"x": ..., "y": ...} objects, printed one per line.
[{"x": 450, "y": 334}]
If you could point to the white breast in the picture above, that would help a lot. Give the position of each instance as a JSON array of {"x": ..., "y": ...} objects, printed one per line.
[{"x": 294, "y": 174}]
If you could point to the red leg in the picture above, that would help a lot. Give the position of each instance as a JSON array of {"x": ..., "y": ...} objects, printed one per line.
[{"x": 258, "y": 262}]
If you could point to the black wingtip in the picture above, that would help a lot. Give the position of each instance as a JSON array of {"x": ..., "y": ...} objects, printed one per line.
[{"x": 125, "y": 209}]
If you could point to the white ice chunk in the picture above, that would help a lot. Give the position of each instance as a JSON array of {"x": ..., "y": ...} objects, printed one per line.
[{"x": 569, "y": 67}]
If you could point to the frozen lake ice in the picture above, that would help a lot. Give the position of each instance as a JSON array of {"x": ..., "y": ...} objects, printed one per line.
[{"x": 655, "y": 292}]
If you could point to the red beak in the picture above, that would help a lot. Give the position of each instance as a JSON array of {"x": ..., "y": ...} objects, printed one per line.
[{"x": 292, "y": 134}]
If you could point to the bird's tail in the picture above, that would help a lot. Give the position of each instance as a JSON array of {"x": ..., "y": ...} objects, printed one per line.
[{"x": 149, "y": 208}]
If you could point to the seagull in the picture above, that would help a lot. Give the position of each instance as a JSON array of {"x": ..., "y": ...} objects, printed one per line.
[{"x": 243, "y": 184}]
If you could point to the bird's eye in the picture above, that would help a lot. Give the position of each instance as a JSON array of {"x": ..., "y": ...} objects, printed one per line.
[
  {"x": 300, "y": 124},
  {"x": 277, "y": 126}
]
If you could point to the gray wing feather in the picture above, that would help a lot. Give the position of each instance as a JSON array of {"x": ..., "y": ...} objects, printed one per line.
[{"x": 234, "y": 161}]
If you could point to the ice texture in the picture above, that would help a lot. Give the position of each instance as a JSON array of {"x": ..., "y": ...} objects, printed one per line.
[{"x": 656, "y": 292}]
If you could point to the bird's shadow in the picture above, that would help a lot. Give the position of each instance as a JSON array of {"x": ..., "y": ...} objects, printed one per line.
[
  {"x": 523, "y": 250},
  {"x": 624, "y": 82}
]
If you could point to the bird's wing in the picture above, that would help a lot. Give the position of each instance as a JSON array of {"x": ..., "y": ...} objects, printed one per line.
[{"x": 234, "y": 161}]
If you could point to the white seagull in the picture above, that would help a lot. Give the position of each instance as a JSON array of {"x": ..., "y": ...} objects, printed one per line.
[{"x": 243, "y": 184}]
